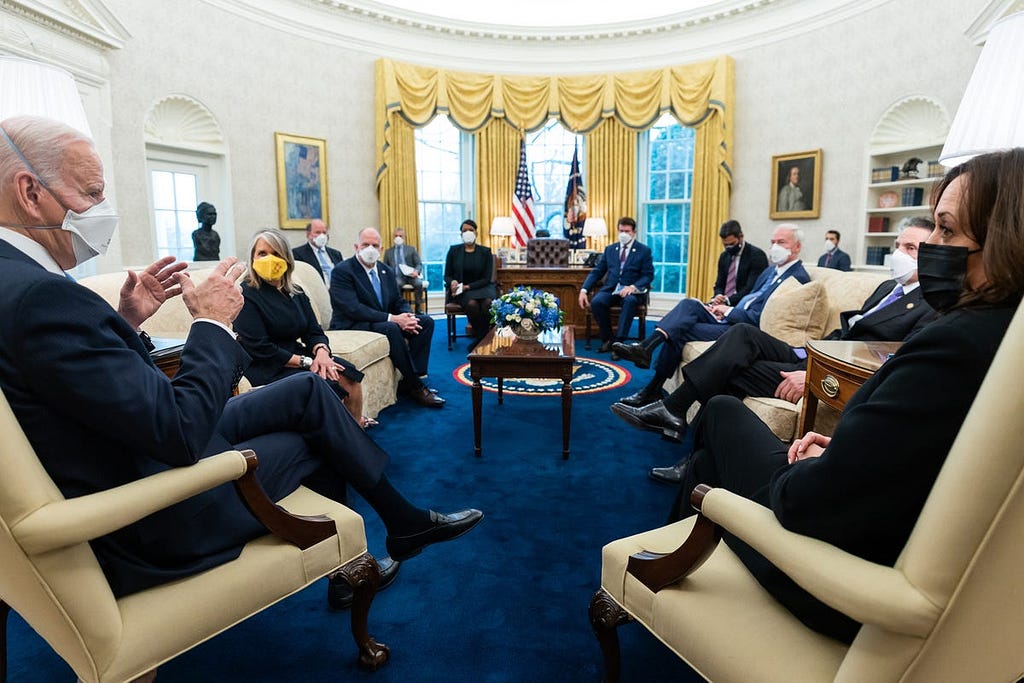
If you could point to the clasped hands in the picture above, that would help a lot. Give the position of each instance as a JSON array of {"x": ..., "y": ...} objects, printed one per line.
[
  {"x": 811, "y": 445},
  {"x": 217, "y": 298},
  {"x": 407, "y": 322}
]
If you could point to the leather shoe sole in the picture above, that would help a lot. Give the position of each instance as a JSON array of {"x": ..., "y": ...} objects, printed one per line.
[
  {"x": 653, "y": 418},
  {"x": 425, "y": 397},
  {"x": 672, "y": 476},
  {"x": 442, "y": 528},
  {"x": 636, "y": 353},
  {"x": 340, "y": 594},
  {"x": 641, "y": 398}
]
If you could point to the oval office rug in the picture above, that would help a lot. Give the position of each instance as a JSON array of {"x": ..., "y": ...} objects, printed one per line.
[{"x": 589, "y": 376}]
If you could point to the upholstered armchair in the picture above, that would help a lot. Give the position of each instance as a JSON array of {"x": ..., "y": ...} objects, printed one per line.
[
  {"x": 951, "y": 609},
  {"x": 547, "y": 252},
  {"x": 50, "y": 576}
]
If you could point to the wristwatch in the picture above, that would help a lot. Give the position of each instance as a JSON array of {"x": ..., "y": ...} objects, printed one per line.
[{"x": 305, "y": 362}]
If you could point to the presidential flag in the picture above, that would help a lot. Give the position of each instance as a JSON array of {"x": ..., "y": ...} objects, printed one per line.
[
  {"x": 575, "y": 205},
  {"x": 522, "y": 202}
]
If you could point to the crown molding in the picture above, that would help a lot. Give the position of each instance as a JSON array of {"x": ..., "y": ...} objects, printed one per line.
[
  {"x": 86, "y": 21},
  {"x": 997, "y": 9}
]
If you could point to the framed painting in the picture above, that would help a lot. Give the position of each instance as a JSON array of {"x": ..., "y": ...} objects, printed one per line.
[
  {"x": 301, "y": 180},
  {"x": 796, "y": 185}
]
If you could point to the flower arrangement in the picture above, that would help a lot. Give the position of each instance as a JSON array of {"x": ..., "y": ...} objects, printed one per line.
[{"x": 527, "y": 311}]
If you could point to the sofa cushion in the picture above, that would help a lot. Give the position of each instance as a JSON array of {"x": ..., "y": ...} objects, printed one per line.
[
  {"x": 795, "y": 313},
  {"x": 846, "y": 291}
]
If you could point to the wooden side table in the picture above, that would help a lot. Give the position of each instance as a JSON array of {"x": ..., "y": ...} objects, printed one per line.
[
  {"x": 835, "y": 371},
  {"x": 550, "y": 357}
]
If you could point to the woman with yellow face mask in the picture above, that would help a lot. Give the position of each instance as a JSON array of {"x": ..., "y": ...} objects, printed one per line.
[{"x": 278, "y": 329}]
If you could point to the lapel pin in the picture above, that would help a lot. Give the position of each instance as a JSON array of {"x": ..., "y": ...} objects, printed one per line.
[{"x": 909, "y": 306}]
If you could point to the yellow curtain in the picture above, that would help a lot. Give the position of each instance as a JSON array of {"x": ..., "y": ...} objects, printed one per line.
[
  {"x": 698, "y": 95},
  {"x": 397, "y": 197},
  {"x": 610, "y": 173},
  {"x": 497, "y": 160}
]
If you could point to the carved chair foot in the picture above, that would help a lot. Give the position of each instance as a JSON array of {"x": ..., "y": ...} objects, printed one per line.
[
  {"x": 605, "y": 616},
  {"x": 363, "y": 574}
]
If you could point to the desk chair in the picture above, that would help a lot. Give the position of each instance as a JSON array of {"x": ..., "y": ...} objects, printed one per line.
[
  {"x": 50, "y": 576},
  {"x": 547, "y": 252},
  {"x": 951, "y": 609},
  {"x": 452, "y": 309}
]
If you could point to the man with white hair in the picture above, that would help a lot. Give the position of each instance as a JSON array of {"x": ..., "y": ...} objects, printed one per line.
[
  {"x": 99, "y": 413},
  {"x": 693, "y": 320}
]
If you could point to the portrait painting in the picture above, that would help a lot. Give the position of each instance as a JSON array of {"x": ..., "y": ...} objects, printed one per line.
[
  {"x": 301, "y": 180},
  {"x": 796, "y": 185}
]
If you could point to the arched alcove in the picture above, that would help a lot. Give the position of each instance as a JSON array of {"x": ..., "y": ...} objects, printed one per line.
[
  {"x": 914, "y": 121},
  {"x": 183, "y": 122}
]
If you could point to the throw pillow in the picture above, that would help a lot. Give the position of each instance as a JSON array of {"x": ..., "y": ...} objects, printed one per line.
[{"x": 795, "y": 313}]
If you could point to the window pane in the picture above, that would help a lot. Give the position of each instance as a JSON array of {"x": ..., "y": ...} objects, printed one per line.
[
  {"x": 163, "y": 190},
  {"x": 549, "y": 155},
  {"x": 174, "y": 204}
]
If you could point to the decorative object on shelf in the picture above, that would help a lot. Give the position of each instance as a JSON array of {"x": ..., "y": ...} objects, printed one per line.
[
  {"x": 527, "y": 312},
  {"x": 909, "y": 169},
  {"x": 989, "y": 116},
  {"x": 888, "y": 200},
  {"x": 796, "y": 185}
]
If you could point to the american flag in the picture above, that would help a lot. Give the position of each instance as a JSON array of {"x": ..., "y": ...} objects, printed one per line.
[{"x": 522, "y": 202}]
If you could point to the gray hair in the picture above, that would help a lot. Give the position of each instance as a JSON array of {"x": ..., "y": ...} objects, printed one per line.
[
  {"x": 798, "y": 234},
  {"x": 42, "y": 142},
  {"x": 279, "y": 243},
  {"x": 916, "y": 222}
]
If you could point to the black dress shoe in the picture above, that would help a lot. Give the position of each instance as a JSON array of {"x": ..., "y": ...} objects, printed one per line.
[
  {"x": 605, "y": 347},
  {"x": 669, "y": 475},
  {"x": 427, "y": 398},
  {"x": 641, "y": 398},
  {"x": 653, "y": 417},
  {"x": 442, "y": 528},
  {"x": 340, "y": 594},
  {"x": 636, "y": 352}
]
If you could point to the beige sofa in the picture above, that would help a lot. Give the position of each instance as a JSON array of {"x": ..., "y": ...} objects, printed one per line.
[
  {"x": 368, "y": 351},
  {"x": 796, "y": 313}
]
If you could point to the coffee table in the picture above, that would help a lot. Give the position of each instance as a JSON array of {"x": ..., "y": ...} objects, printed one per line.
[{"x": 551, "y": 356}]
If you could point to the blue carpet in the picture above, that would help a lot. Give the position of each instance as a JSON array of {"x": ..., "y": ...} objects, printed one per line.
[{"x": 508, "y": 602}]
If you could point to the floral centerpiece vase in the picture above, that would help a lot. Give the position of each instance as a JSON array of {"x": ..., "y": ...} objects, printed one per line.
[{"x": 527, "y": 312}]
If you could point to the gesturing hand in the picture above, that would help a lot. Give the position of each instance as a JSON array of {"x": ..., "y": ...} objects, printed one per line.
[
  {"x": 217, "y": 297},
  {"x": 144, "y": 292}
]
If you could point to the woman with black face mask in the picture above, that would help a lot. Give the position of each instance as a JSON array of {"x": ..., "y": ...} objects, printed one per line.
[{"x": 863, "y": 488}]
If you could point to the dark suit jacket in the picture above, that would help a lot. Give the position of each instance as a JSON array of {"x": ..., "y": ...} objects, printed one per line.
[
  {"x": 455, "y": 270},
  {"x": 752, "y": 262},
  {"x": 99, "y": 413},
  {"x": 305, "y": 253},
  {"x": 637, "y": 271},
  {"x": 752, "y": 313},
  {"x": 896, "y": 322},
  {"x": 865, "y": 492},
  {"x": 353, "y": 300},
  {"x": 840, "y": 260},
  {"x": 411, "y": 256}
]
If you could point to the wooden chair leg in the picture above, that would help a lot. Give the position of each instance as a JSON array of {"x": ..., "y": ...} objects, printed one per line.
[
  {"x": 587, "y": 333},
  {"x": 643, "y": 326},
  {"x": 5, "y": 610},
  {"x": 605, "y": 616},
  {"x": 363, "y": 574},
  {"x": 451, "y": 330}
]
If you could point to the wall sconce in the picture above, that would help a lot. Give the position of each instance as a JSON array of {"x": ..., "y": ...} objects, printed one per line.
[
  {"x": 596, "y": 232},
  {"x": 502, "y": 227}
]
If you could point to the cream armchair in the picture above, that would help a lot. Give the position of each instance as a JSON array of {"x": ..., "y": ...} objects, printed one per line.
[
  {"x": 50, "y": 576},
  {"x": 951, "y": 609}
]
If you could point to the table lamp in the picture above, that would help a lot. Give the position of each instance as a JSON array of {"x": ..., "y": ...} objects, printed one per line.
[
  {"x": 39, "y": 89},
  {"x": 991, "y": 113},
  {"x": 595, "y": 230},
  {"x": 503, "y": 228}
]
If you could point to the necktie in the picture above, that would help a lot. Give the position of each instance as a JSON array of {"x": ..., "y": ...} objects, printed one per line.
[
  {"x": 325, "y": 263},
  {"x": 828, "y": 259},
  {"x": 896, "y": 293},
  {"x": 375, "y": 281},
  {"x": 623, "y": 251},
  {"x": 400, "y": 256},
  {"x": 730, "y": 279},
  {"x": 752, "y": 297}
]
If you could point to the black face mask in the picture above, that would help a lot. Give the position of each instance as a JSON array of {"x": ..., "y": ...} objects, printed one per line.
[
  {"x": 733, "y": 249},
  {"x": 941, "y": 270}
]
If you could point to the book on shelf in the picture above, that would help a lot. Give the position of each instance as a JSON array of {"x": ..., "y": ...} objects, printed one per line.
[
  {"x": 912, "y": 196},
  {"x": 876, "y": 256},
  {"x": 885, "y": 174},
  {"x": 878, "y": 224},
  {"x": 936, "y": 170}
]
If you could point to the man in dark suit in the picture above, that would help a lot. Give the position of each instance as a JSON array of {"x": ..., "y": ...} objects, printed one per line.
[
  {"x": 402, "y": 254},
  {"x": 834, "y": 257},
  {"x": 99, "y": 413},
  {"x": 628, "y": 270},
  {"x": 364, "y": 296},
  {"x": 746, "y": 361},
  {"x": 315, "y": 251},
  {"x": 738, "y": 265},
  {"x": 692, "y": 320}
]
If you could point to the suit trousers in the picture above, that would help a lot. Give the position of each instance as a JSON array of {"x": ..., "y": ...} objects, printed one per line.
[
  {"x": 689, "y": 320},
  {"x": 409, "y": 352},
  {"x": 743, "y": 362},
  {"x": 601, "y": 307}
]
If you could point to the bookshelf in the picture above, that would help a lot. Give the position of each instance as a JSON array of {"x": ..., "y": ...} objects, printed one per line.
[{"x": 891, "y": 197}]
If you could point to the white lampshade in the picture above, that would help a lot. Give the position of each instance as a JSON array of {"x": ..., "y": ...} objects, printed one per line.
[
  {"x": 503, "y": 226},
  {"x": 37, "y": 89},
  {"x": 595, "y": 227},
  {"x": 991, "y": 113}
]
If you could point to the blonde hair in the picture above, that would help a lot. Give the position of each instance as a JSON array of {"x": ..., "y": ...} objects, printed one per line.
[{"x": 279, "y": 244}]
